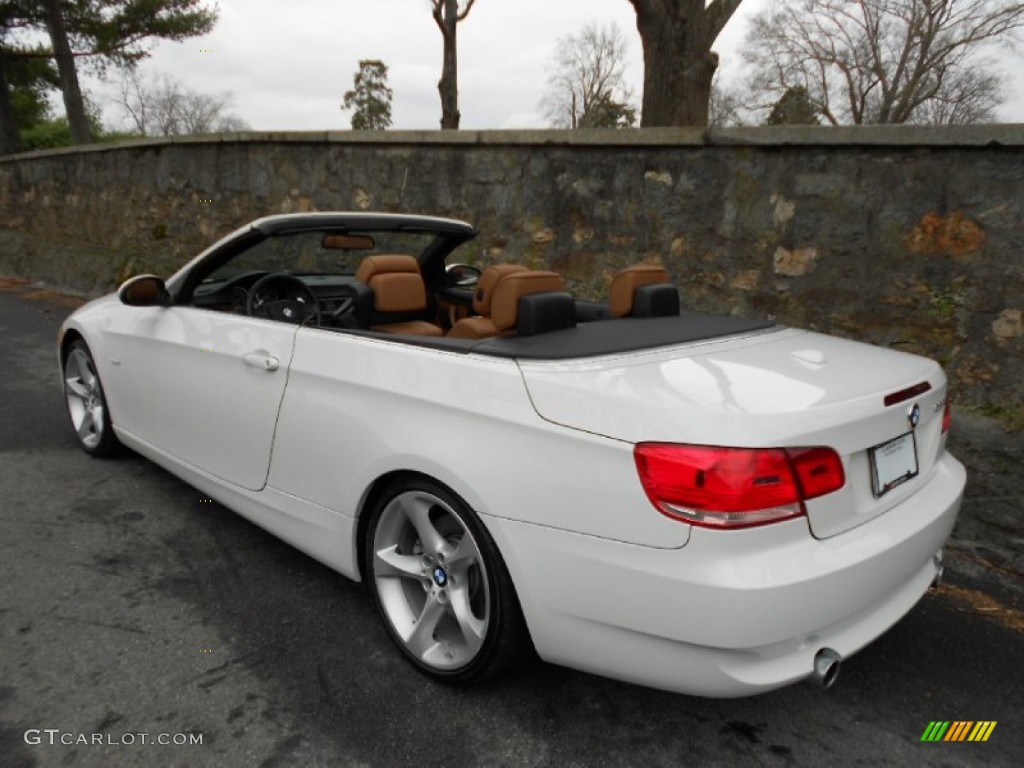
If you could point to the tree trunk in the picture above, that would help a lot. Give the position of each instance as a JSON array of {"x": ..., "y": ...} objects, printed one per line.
[
  {"x": 678, "y": 66},
  {"x": 448, "y": 87},
  {"x": 74, "y": 104},
  {"x": 10, "y": 137}
]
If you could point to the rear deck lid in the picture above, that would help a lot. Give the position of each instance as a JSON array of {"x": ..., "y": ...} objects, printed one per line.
[{"x": 787, "y": 388}]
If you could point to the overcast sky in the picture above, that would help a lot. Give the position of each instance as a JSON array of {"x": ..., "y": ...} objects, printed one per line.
[{"x": 288, "y": 62}]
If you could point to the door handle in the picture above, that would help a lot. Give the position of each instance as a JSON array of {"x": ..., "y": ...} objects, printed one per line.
[{"x": 261, "y": 360}]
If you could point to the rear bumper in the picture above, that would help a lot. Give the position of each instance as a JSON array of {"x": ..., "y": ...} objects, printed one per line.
[{"x": 734, "y": 612}]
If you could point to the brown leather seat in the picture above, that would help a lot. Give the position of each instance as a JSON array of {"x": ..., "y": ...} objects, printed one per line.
[
  {"x": 497, "y": 300},
  {"x": 622, "y": 294},
  {"x": 399, "y": 290},
  {"x": 481, "y": 327}
]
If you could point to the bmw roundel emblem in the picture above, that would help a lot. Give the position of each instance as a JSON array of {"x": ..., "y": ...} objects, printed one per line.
[
  {"x": 914, "y": 416},
  {"x": 440, "y": 576}
]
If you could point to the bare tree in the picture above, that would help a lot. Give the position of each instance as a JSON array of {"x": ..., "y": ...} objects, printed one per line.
[
  {"x": 679, "y": 64},
  {"x": 231, "y": 123},
  {"x": 134, "y": 99},
  {"x": 725, "y": 107},
  {"x": 967, "y": 96},
  {"x": 447, "y": 15},
  {"x": 164, "y": 107},
  {"x": 883, "y": 61},
  {"x": 586, "y": 87}
]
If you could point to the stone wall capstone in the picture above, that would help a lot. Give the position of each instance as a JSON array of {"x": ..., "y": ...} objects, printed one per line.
[{"x": 907, "y": 237}]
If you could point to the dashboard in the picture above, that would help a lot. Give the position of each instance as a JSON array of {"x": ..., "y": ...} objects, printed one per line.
[{"x": 233, "y": 295}]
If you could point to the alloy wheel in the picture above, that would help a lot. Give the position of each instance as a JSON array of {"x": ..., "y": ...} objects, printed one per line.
[
  {"x": 86, "y": 405},
  {"x": 431, "y": 581}
]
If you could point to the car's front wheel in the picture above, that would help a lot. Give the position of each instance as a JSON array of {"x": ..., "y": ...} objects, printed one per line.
[
  {"x": 440, "y": 584},
  {"x": 86, "y": 402}
]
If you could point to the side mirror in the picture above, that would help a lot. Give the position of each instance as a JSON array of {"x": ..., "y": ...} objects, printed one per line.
[
  {"x": 144, "y": 291},
  {"x": 462, "y": 275}
]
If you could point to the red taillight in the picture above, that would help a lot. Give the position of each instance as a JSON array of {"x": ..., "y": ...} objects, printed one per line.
[
  {"x": 735, "y": 487},
  {"x": 820, "y": 471},
  {"x": 947, "y": 415}
]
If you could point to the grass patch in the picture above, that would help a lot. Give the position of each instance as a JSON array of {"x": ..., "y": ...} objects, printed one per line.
[{"x": 1010, "y": 416}]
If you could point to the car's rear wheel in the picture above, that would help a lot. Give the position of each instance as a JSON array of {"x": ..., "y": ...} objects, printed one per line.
[
  {"x": 440, "y": 584},
  {"x": 86, "y": 402}
]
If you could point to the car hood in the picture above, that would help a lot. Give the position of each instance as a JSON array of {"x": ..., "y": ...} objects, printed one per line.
[{"x": 784, "y": 388}]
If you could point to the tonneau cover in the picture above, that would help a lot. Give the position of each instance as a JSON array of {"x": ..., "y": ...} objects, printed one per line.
[{"x": 610, "y": 337}]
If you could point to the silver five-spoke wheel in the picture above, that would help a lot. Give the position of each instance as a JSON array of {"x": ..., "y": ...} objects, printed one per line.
[
  {"x": 86, "y": 404},
  {"x": 440, "y": 585},
  {"x": 431, "y": 580}
]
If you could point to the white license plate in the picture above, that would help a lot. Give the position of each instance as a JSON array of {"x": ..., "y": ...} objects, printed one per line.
[{"x": 893, "y": 463}]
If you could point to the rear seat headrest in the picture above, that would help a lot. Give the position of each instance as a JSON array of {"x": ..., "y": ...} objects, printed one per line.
[
  {"x": 657, "y": 300},
  {"x": 545, "y": 312},
  {"x": 505, "y": 301},
  {"x": 625, "y": 284}
]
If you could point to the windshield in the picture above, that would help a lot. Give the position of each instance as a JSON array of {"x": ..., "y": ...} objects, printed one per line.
[{"x": 304, "y": 253}]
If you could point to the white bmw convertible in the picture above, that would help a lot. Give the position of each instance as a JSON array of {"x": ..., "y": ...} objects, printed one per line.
[{"x": 711, "y": 505}]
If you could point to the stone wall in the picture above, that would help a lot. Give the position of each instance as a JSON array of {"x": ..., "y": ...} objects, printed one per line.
[{"x": 905, "y": 237}]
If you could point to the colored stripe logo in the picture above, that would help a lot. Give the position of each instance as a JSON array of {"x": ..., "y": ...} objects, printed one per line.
[{"x": 958, "y": 730}]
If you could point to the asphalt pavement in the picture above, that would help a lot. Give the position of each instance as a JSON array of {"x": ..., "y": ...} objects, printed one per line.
[{"x": 130, "y": 605}]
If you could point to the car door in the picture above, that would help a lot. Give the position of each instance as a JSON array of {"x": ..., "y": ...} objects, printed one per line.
[{"x": 201, "y": 385}]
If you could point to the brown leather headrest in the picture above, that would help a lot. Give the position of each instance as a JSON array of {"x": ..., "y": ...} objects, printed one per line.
[
  {"x": 382, "y": 263},
  {"x": 625, "y": 283},
  {"x": 399, "y": 292},
  {"x": 505, "y": 301},
  {"x": 485, "y": 287}
]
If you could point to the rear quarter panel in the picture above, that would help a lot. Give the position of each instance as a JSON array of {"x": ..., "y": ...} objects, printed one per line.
[{"x": 356, "y": 408}]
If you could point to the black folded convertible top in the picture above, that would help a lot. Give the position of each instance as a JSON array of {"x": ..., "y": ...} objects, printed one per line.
[
  {"x": 600, "y": 337},
  {"x": 609, "y": 337}
]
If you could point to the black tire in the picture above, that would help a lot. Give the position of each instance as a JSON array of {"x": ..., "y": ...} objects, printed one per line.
[
  {"x": 86, "y": 403},
  {"x": 471, "y": 575}
]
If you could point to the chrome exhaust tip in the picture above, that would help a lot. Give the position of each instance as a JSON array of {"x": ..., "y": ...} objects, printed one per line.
[
  {"x": 940, "y": 569},
  {"x": 826, "y": 668}
]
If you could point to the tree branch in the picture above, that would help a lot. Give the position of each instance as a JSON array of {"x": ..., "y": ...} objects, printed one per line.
[
  {"x": 465, "y": 11},
  {"x": 718, "y": 15},
  {"x": 437, "y": 12}
]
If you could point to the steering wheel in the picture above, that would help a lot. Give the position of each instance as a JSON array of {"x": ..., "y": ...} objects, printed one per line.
[{"x": 284, "y": 297}]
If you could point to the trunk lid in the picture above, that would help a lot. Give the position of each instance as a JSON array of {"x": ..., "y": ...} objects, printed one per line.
[{"x": 787, "y": 388}]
